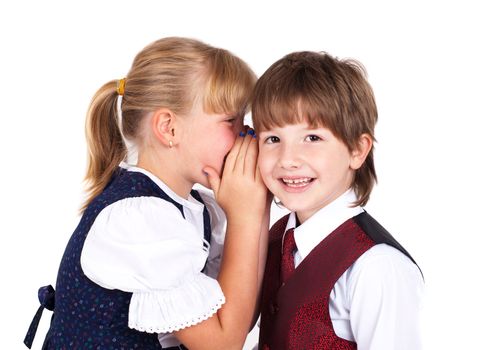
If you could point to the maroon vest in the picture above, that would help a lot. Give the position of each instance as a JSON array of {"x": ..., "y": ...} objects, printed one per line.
[{"x": 296, "y": 314}]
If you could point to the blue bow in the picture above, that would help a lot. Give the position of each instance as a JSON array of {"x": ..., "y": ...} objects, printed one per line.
[{"x": 46, "y": 296}]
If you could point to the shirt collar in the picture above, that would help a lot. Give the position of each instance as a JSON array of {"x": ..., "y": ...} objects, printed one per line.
[
  {"x": 190, "y": 203},
  {"x": 311, "y": 232}
]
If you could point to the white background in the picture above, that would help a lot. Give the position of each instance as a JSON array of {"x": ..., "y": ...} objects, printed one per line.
[{"x": 423, "y": 64}]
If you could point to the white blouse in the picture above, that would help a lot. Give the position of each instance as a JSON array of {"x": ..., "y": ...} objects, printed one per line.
[{"x": 143, "y": 245}]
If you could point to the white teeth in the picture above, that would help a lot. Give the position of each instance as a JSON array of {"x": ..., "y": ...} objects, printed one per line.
[{"x": 297, "y": 182}]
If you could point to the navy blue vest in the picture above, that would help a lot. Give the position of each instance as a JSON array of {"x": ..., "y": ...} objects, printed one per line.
[{"x": 87, "y": 316}]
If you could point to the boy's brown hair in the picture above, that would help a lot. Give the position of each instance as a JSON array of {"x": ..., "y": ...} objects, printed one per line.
[{"x": 325, "y": 92}]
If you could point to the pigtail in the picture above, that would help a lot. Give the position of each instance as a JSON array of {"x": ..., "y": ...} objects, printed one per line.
[{"x": 106, "y": 147}]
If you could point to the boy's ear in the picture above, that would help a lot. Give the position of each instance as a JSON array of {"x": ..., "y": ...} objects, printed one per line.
[
  {"x": 163, "y": 123},
  {"x": 359, "y": 154}
]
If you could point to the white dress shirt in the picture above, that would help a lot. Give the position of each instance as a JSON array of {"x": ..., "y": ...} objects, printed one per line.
[
  {"x": 144, "y": 245},
  {"x": 377, "y": 301}
]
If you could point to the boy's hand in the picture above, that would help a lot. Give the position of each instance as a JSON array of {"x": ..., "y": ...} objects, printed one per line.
[{"x": 240, "y": 192}]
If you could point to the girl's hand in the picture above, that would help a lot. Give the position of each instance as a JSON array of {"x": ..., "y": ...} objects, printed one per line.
[
  {"x": 240, "y": 191},
  {"x": 242, "y": 195}
]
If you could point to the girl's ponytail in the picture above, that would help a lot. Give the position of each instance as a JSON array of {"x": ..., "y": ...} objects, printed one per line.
[{"x": 106, "y": 147}]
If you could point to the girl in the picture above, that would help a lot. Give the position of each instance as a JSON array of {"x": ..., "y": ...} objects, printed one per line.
[{"x": 141, "y": 269}]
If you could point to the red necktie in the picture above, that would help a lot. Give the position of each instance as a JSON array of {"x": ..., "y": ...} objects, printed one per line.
[{"x": 287, "y": 256}]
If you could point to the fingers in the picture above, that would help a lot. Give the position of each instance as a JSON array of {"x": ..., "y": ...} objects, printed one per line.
[
  {"x": 235, "y": 161},
  {"x": 248, "y": 154},
  {"x": 240, "y": 158},
  {"x": 232, "y": 155},
  {"x": 251, "y": 157}
]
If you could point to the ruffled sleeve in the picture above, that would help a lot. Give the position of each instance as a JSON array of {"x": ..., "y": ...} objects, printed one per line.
[
  {"x": 144, "y": 246},
  {"x": 195, "y": 300}
]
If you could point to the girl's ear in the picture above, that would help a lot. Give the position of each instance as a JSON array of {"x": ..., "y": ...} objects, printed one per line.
[
  {"x": 359, "y": 154},
  {"x": 163, "y": 123}
]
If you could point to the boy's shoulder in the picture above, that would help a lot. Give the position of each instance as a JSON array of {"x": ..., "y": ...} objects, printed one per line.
[
  {"x": 384, "y": 267},
  {"x": 383, "y": 254},
  {"x": 378, "y": 233}
]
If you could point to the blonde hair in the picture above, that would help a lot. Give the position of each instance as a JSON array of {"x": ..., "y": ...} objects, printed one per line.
[
  {"x": 322, "y": 91},
  {"x": 169, "y": 73}
]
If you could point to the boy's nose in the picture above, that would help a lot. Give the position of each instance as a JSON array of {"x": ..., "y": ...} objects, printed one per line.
[{"x": 289, "y": 158}]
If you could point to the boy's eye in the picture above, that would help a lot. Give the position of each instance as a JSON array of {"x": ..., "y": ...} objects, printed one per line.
[
  {"x": 313, "y": 138},
  {"x": 271, "y": 139}
]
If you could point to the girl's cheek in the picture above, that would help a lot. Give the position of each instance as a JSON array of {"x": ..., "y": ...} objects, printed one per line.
[{"x": 230, "y": 140}]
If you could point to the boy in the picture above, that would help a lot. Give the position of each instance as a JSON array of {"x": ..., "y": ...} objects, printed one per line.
[{"x": 334, "y": 277}]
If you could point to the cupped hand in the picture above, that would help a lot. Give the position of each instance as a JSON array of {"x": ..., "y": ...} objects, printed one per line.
[{"x": 240, "y": 191}]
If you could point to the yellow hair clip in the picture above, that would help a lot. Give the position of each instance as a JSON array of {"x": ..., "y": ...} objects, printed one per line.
[{"x": 120, "y": 86}]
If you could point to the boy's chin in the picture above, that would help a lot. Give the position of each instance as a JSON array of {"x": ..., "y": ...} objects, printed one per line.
[{"x": 291, "y": 205}]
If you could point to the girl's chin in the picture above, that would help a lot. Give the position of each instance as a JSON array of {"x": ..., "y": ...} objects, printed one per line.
[
  {"x": 207, "y": 185},
  {"x": 203, "y": 181}
]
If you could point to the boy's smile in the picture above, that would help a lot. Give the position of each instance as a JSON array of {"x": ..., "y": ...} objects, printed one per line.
[
  {"x": 296, "y": 184},
  {"x": 305, "y": 168}
]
